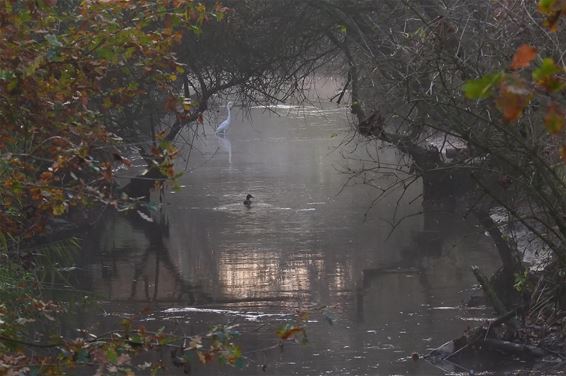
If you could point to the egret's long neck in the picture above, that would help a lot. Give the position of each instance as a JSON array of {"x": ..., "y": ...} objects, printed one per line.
[{"x": 228, "y": 108}]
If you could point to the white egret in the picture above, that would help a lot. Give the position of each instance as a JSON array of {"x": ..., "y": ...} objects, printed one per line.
[
  {"x": 223, "y": 127},
  {"x": 248, "y": 201}
]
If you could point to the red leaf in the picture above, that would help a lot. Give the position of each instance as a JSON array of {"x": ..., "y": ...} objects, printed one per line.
[{"x": 523, "y": 57}]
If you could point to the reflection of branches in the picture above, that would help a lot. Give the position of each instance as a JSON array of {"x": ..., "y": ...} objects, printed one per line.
[{"x": 191, "y": 147}]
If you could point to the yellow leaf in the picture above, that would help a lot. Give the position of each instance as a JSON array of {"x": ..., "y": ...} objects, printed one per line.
[{"x": 59, "y": 209}]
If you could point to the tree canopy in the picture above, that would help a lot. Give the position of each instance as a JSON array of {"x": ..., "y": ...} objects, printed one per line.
[{"x": 66, "y": 70}]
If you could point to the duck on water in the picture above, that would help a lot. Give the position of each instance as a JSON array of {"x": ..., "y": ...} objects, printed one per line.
[{"x": 248, "y": 201}]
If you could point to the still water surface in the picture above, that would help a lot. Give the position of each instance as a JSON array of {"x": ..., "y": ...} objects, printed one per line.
[{"x": 304, "y": 243}]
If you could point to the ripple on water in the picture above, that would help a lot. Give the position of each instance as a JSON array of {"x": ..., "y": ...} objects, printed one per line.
[
  {"x": 249, "y": 316},
  {"x": 258, "y": 205},
  {"x": 444, "y": 308}
]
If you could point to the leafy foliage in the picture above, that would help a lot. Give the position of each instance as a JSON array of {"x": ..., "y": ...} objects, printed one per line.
[
  {"x": 552, "y": 9},
  {"x": 64, "y": 68},
  {"x": 516, "y": 91}
]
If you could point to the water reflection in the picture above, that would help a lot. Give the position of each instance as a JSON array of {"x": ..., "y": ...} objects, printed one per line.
[
  {"x": 207, "y": 258},
  {"x": 134, "y": 266},
  {"x": 225, "y": 145}
]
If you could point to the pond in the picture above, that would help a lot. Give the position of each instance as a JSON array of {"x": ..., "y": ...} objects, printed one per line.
[{"x": 304, "y": 244}]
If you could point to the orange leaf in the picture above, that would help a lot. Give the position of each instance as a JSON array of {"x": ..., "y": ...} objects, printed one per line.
[
  {"x": 107, "y": 171},
  {"x": 523, "y": 56},
  {"x": 288, "y": 332},
  {"x": 512, "y": 100}
]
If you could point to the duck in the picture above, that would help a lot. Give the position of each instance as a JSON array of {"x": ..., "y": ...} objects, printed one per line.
[{"x": 248, "y": 201}]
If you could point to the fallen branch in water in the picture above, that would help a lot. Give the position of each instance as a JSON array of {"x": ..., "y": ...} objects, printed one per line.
[{"x": 492, "y": 296}]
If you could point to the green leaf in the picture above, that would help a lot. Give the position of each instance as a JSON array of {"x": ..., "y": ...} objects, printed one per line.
[
  {"x": 545, "y": 75},
  {"x": 219, "y": 16},
  {"x": 483, "y": 87},
  {"x": 12, "y": 84},
  {"x": 106, "y": 53},
  {"x": 546, "y": 69},
  {"x": 136, "y": 340},
  {"x": 546, "y": 6},
  {"x": 111, "y": 355},
  {"x": 6, "y": 75}
]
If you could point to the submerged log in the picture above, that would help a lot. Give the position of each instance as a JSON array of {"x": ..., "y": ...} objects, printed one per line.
[
  {"x": 507, "y": 253},
  {"x": 489, "y": 292}
]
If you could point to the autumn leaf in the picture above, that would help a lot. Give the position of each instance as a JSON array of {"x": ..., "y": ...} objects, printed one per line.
[
  {"x": 552, "y": 9},
  {"x": 545, "y": 75},
  {"x": 523, "y": 57},
  {"x": 512, "y": 100},
  {"x": 288, "y": 331},
  {"x": 554, "y": 119}
]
